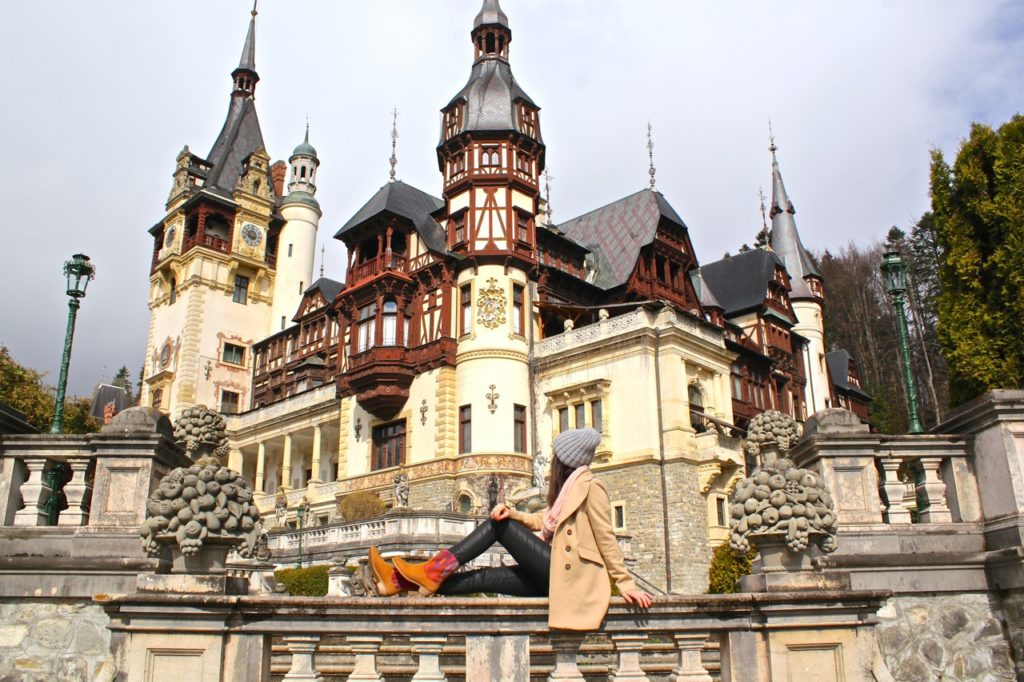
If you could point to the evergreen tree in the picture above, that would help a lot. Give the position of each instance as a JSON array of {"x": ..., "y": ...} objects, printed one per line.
[
  {"x": 978, "y": 207},
  {"x": 124, "y": 380}
]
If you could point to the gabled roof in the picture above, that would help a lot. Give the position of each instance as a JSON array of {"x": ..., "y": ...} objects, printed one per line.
[
  {"x": 838, "y": 362},
  {"x": 403, "y": 201},
  {"x": 619, "y": 230},
  {"x": 106, "y": 393},
  {"x": 327, "y": 287},
  {"x": 740, "y": 282}
]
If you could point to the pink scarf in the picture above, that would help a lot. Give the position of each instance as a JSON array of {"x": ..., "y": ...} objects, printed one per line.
[{"x": 551, "y": 518}]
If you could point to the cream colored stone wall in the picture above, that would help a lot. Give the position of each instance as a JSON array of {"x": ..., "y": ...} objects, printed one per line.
[
  {"x": 810, "y": 325},
  {"x": 294, "y": 272}
]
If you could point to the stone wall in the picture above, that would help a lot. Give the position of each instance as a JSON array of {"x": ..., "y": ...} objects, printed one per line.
[
  {"x": 45, "y": 640},
  {"x": 1013, "y": 609},
  {"x": 950, "y": 637},
  {"x": 639, "y": 488}
]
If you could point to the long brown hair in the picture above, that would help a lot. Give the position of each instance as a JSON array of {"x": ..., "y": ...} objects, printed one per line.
[{"x": 559, "y": 474}]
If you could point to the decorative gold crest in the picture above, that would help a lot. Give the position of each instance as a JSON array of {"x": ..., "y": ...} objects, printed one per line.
[{"x": 491, "y": 305}]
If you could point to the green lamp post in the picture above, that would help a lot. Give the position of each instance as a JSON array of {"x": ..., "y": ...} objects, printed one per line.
[
  {"x": 301, "y": 511},
  {"x": 79, "y": 271},
  {"x": 894, "y": 276}
]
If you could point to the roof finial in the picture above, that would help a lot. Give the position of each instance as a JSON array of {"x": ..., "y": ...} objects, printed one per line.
[
  {"x": 764, "y": 215},
  {"x": 254, "y": 12},
  {"x": 323, "y": 255},
  {"x": 771, "y": 137},
  {"x": 650, "y": 155},
  {"x": 547, "y": 193},
  {"x": 394, "y": 142}
]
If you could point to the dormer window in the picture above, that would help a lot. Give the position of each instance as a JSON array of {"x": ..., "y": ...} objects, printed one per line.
[
  {"x": 367, "y": 327},
  {"x": 460, "y": 227}
]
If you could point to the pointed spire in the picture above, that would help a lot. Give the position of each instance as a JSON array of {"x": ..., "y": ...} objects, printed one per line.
[
  {"x": 245, "y": 76},
  {"x": 490, "y": 15},
  {"x": 394, "y": 143},
  {"x": 650, "y": 155},
  {"x": 784, "y": 239}
]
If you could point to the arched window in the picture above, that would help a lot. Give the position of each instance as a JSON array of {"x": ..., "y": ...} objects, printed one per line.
[
  {"x": 697, "y": 409},
  {"x": 173, "y": 295},
  {"x": 490, "y": 43},
  {"x": 390, "y": 326},
  {"x": 302, "y": 172},
  {"x": 465, "y": 503},
  {"x": 158, "y": 398}
]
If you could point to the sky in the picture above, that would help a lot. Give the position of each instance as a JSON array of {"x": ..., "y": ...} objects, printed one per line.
[{"x": 99, "y": 97}]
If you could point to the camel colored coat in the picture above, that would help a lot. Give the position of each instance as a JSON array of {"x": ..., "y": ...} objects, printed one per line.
[{"x": 584, "y": 553}]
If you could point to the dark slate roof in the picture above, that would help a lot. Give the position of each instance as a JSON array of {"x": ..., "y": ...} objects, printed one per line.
[
  {"x": 248, "y": 60},
  {"x": 740, "y": 282},
  {"x": 13, "y": 421},
  {"x": 838, "y": 362},
  {"x": 404, "y": 201},
  {"x": 105, "y": 393},
  {"x": 785, "y": 239},
  {"x": 704, "y": 294},
  {"x": 327, "y": 287},
  {"x": 490, "y": 96},
  {"x": 240, "y": 137},
  {"x": 618, "y": 231}
]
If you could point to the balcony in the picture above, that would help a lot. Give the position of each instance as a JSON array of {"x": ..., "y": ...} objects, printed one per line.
[
  {"x": 376, "y": 266},
  {"x": 380, "y": 377},
  {"x": 206, "y": 241}
]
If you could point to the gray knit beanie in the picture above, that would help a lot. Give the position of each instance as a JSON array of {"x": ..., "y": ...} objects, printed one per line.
[{"x": 575, "y": 447}]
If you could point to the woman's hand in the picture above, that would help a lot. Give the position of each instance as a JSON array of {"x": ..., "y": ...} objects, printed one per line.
[
  {"x": 637, "y": 597},
  {"x": 500, "y": 512}
]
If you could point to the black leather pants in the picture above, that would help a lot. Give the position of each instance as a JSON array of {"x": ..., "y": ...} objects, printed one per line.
[{"x": 528, "y": 579}]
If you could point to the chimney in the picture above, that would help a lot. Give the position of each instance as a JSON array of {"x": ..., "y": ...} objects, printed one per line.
[{"x": 279, "y": 171}]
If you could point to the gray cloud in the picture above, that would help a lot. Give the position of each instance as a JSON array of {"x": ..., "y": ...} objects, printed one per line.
[{"x": 100, "y": 96}]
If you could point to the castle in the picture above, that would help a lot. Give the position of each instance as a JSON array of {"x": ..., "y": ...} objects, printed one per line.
[{"x": 471, "y": 328}]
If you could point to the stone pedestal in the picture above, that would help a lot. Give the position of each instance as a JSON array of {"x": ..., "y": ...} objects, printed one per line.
[
  {"x": 34, "y": 494},
  {"x": 778, "y": 569}
]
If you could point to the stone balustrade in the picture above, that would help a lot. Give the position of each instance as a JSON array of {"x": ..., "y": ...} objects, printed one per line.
[{"x": 252, "y": 638}]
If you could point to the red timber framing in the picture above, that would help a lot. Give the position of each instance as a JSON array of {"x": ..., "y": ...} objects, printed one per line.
[
  {"x": 300, "y": 357},
  {"x": 662, "y": 269}
]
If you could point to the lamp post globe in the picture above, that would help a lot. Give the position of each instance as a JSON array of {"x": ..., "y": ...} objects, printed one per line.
[
  {"x": 894, "y": 278},
  {"x": 79, "y": 271}
]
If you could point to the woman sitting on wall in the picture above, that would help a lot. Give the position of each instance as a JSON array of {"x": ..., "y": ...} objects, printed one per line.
[{"x": 571, "y": 560}]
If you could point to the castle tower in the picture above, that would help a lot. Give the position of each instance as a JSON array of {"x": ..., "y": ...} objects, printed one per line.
[
  {"x": 807, "y": 295},
  {"x": 212, "y": 274},
  {"x": 491, "y": 155},
  {"x": 297, "y": 241}
]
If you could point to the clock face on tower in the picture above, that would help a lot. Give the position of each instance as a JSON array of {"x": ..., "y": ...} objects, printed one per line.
[{"x": 251, "y": 234}]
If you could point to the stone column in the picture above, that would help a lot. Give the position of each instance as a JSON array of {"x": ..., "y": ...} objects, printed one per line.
[
  {"x": 235, "y": 460},
  {"x": 629, "y": 645},
  {"x": 428, "y": 649},
  {"x": 933, "y": 491},
  {"x": 566, "y": 645},
  {"x": 34, "y": 493},
  {"x": 365, "y": 649},
  {"x": 892, "y": 490},
  {"x": 690, "y": 668},
  {"x": 315, "y": 466},
  {"x": 261, "y": 465},
  {"x": 302, "y": 648},
  {"x": 687, "y": 420},
  {"x": 286, "y": 463},
  {"x": 77, "y": 493}
]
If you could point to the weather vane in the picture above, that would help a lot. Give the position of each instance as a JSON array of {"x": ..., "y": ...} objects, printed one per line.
[
  {"x": 771, "y": 137},
  {"x": 394, "y": 142},
  {"x": 323, "y": 255},
  {"x": 650, "y": 154},
  {"x": 764, "y": 218}
]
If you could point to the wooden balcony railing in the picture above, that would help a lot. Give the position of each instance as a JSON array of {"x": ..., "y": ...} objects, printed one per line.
[
  {"x": 377, "y": 265},
  {"x": 208, "y": 242}
]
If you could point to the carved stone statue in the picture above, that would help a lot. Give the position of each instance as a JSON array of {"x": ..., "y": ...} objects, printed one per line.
[
  {"x": 199, "y": 504},
  {"x": 782, "y": 502},
  {"x": 540, "y": 469},
  {"x": 771, "y": 430},
  {"x": 202, "y": 432},
  {"x": 401, "y": 490},
  {"x": 281, "y": 507}
]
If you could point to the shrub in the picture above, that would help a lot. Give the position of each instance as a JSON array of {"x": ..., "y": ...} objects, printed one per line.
[
  {"x": 727, "y": 567},
  {"x": 310, "y": 581},
  {"x": 361, "y": 506}
]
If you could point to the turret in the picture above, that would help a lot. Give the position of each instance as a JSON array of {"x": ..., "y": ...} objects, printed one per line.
[
  {"x": 807, "y": 295},
  {"x": 296, "y": 249}
]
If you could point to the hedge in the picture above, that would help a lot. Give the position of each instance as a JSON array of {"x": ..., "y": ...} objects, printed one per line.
[{"x": 310, "y": 581}]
